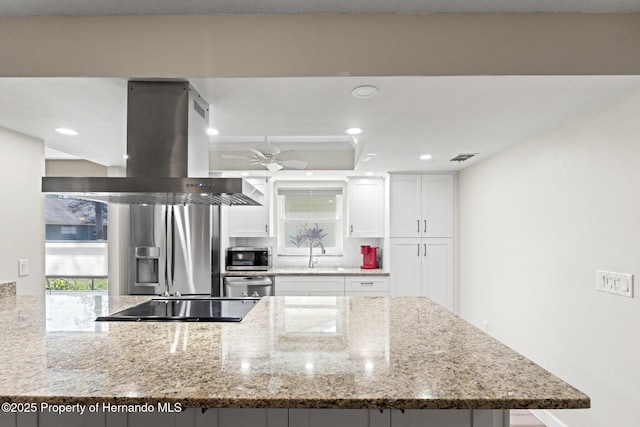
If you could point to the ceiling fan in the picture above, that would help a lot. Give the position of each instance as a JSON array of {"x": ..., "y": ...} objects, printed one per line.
[{"x": 271, "y": 157}]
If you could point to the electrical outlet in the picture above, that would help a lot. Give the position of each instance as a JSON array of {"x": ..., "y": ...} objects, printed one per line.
[
  {"x": 23, "y": 267},
  {"x": 614, "y": 283}
]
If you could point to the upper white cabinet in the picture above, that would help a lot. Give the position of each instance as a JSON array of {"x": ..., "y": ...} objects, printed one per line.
[
  {"x": 365, "y": 201},
  {"x": 421, "y": 205},
  {"x": 252, "y": 221}
]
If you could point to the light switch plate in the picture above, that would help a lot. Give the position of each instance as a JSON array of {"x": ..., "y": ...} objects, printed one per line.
[
  {"x": 23, "y": 267},
  {"x": 615, "y": 283}
]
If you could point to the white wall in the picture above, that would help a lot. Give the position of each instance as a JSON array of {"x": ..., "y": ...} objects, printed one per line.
[
  {"x": 536, "y": 221},
  {"x": 22, "y": 213}
]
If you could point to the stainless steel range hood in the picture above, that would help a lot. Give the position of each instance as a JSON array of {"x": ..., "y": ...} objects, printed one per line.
[{"x": 168, "y": 154}]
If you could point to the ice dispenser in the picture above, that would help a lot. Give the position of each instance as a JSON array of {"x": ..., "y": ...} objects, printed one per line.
[{"x": 147, "y": 265}]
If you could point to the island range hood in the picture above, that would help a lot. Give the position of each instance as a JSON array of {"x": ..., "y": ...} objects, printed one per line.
[{"x": 167, "y": 155}]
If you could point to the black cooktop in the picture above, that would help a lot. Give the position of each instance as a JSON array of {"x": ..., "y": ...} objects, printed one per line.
[{"x": 186, "y": 310}]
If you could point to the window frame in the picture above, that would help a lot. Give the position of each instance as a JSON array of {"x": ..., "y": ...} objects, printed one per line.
[{"x": 281, "y": 237}]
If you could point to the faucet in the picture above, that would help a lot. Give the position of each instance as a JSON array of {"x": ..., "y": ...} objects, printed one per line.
[{"x": 313, "y": 243}]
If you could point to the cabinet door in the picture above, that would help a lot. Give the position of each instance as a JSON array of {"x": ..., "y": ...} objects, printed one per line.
[
  {"x": 437, "y": 271},
  {"x": 406, "y": 265},
  {"x": 437, "y": 206},
  {"x": 365, "y": 201},
  {"x": 251, "y": 221},
  {"x": 405, "y": 197}
]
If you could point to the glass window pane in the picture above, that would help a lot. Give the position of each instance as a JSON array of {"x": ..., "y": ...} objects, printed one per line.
[{"x": 310, "y": 207}]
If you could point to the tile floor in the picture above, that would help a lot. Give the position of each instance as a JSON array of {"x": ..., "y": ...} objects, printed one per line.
[{"x": 523, "y": 418}]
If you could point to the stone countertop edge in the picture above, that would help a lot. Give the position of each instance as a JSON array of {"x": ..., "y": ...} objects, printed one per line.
[
  {"x": 304, "y": 403},
  {"x": 320, "y": 271}
]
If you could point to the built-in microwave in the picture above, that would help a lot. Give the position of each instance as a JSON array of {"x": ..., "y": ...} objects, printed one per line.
[{"x": 245, "y": 258}]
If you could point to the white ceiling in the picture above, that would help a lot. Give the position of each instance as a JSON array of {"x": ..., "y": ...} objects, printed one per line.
[
  {"x": 12, "y": 8},
  {"x": 443, "y": 116}
]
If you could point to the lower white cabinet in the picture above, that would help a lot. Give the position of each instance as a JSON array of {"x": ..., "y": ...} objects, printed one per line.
[
  {"x": 367, "y": 286},
  {"x": 423, "y": 267},
  {"x": 309, "y": 285},
  {"x": 332, "y": 285},
  {"x": 250, "y": 417}
]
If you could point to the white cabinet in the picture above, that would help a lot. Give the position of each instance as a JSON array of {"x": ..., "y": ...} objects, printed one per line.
[
  {"x": 365, "y": 207},
  {"x": 366, "y": 286},
  {"x": 332, "y": 285},
  {"x": 421, "y": 205},
  {"x": 251, "y": 221},
  {"x": 422, "y": 236},
  {"x": 423, "y": 267},
  {"x": 309, "y": 285}
]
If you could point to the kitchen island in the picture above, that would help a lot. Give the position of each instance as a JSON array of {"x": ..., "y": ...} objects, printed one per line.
[{"x": 301, "y": 357}]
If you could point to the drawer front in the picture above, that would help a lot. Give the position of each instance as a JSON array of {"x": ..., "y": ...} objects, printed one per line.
[
  {"x": 367, "y": 284},
  {"x": 333, "y": 284}
]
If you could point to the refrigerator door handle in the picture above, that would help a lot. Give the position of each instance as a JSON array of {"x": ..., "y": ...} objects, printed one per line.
[{"x": 171, "y": 254}]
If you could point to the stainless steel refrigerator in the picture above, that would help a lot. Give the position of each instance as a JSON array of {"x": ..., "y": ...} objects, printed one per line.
[{"x": 174, "y": 249}]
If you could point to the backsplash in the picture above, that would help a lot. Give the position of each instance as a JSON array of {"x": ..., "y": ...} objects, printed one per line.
[{"x": 351, "y": 252}]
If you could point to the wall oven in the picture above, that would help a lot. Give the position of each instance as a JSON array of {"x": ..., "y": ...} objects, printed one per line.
[{"x": 244, "y": 258}]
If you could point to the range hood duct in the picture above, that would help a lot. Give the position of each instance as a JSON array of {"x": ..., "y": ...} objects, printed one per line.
[{"x": 167, "y": 149}]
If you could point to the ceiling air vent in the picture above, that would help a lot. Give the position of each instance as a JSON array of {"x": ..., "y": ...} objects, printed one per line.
[{"x": 462, "y": 157}]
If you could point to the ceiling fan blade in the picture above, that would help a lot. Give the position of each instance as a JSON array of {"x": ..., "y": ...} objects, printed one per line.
[
  {"x": 230, "y": 156},
  {"x": 295, "y": 164},
  {"x": 273, "y": 167},
  {"x": 258, "y": 153}
]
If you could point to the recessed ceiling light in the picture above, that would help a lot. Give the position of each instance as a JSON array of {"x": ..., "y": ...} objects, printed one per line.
[
  {"x": 308, "y": 173},
  {"x": 212, "y": 131},
  {"x": 244, "y": 174},
  {"x": 66, "y": 131},
  {"x": 426, "y": 157},
  {"x": 366, "y": 91},
  {"x": 371, "y": 154},
  {"x": 368, "y": 173},
  {"x": 353, "y": 131}
]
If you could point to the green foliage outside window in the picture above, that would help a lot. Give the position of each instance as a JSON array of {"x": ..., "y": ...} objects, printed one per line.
[{"x": 75, "y": 284}]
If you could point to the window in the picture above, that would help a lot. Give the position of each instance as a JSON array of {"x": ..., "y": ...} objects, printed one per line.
[
  {"x": 307, "y": 215},
  {"x": 75, "y": 244}
]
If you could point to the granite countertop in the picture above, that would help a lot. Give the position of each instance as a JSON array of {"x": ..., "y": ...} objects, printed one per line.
[
  {"x": 316, "y": 271},
  {"x": 289, "y": 352}
]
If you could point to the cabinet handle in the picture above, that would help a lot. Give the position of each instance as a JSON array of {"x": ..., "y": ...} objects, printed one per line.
[
  {"x": 418, "y": 221},
  {"x": 425, "y": 225},
  {"x": 366, "y": 283},
  {"x": 418, "y": 245},
  {"x": 351, "y": 228},
  {"x": 266, "y": 228},
  {"x": 425, "y": 249}
]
